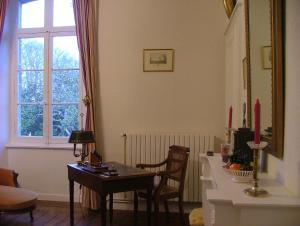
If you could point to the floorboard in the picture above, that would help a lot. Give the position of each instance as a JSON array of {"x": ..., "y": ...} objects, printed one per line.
[{"x": 46, "y": 215}]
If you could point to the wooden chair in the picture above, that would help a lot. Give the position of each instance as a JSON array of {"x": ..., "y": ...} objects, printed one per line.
[{"x": 175, "y": 169}]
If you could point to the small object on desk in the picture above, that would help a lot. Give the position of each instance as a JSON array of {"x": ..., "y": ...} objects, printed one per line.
[
  {"x": 110, "y": 173},
  {"x": 80, "y": 163},
  {"x": 95, "y": 169},
  {"x": 210, "y": 153}
]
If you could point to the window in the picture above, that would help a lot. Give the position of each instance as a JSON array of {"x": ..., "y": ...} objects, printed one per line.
[{"x": 47, "y": 77}]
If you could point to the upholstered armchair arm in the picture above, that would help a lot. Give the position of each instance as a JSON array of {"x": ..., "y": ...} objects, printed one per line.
[
  {"x": 8, "y": 178},
  {"x": 142, "y": 166}
]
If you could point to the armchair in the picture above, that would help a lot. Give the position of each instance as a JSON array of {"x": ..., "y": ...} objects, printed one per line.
[{"x": 14, "y": 199}]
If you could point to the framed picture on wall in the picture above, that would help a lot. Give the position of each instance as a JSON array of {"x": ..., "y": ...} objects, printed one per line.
[
  {"x": 266, "y": 52},
  {"x": 161, "y": 60}
]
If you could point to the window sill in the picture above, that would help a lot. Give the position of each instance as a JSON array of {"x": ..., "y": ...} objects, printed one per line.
[{"x": 41, "y": 146}]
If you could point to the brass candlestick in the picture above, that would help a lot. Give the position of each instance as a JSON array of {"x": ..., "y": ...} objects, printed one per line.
[{"x": 255, "y": 191}]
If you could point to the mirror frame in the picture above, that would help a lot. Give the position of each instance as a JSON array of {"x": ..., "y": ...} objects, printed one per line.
[{"x": 275, "y": 146}]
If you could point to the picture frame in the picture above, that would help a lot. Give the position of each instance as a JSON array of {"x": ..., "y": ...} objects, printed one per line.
[
  {"x": 266, "y": 52},
  {"x": 158, "y": 60}
]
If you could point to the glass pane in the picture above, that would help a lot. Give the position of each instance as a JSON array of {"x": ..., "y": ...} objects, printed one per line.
[
  {"x": 31, "y": 86},
  {"x": 31, "y": 53},
  {"x": 64, "y": 120},
  {"x": 63, "y": 14},
  {"x": 65, "y": 86},
  {"x": 65, "y": 52},
  {"x": 30, "y": 121},
  {"x": 32, "y": 14}
]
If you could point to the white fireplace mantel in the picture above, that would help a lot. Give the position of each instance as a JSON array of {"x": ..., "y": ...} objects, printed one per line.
[{"x": 226, "y": 204}]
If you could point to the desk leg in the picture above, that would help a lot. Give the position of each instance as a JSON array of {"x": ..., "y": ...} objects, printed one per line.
[
  {"x": 71, "y": 190},
  {"x": 149, "y": 200},
  {"x": 103, "y": 209},
  {"x": 136, "y": 203},
  {"x": 111, "y": 208}
]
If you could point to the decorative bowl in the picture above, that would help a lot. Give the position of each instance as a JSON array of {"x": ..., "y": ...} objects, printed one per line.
[{"x": 241, "y": 175}]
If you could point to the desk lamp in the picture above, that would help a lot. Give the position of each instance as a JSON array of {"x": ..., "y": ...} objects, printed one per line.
[{"x": 81, "y": 137}]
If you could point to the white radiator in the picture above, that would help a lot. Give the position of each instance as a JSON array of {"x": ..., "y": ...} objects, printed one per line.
[{"x": 153, "y": 148}]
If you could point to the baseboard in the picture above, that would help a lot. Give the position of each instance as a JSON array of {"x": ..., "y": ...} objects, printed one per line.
[
  {"x": 120, "y": 204},
  {"x": 56, "y": 197}
]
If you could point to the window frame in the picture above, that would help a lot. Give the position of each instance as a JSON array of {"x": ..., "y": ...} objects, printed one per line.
[{"x": 48, "y": 32}]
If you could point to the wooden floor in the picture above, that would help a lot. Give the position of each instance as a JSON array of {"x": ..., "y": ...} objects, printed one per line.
[{"x": 59, "y": 216}]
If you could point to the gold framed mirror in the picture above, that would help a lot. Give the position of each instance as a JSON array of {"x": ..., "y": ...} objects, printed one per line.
[{"x": 265, "y": 65}]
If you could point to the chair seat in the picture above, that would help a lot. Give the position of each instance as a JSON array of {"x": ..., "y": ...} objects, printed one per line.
[
  {"x": 12, "y": 198},
  {"x": 165, "y": 191}
]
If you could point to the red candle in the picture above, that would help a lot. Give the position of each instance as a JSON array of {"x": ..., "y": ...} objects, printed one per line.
[
  {"x": 257, "y": 122},
  {"x": 230, "y": 118}
]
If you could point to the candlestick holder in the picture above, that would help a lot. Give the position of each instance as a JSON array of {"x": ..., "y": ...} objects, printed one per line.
[
  {"x": 229, "y": 132},
  {"x": 255, "y": 191}
]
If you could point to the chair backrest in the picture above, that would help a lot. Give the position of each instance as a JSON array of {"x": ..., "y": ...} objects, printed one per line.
[
  {"x": 177, "y": 158},
  {"x": 8, "y": 178}
]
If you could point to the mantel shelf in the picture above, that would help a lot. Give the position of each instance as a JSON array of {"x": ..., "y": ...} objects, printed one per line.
[
  {"x": 227, "y": 190},
  {"x": 231, "y": 206}
]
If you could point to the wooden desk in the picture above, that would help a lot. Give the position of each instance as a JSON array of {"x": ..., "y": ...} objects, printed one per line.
[{"x": 129, "y": 179}]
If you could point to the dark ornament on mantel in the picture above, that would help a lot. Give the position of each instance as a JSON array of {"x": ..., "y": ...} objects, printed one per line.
[{"x": 241, "y": 149}]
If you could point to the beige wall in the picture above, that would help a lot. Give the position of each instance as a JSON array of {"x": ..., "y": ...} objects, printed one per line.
[
  {"x": 288, "y": 170},
  {"x": 189, "y": 99},
  {"x": 5, "y": 51}
]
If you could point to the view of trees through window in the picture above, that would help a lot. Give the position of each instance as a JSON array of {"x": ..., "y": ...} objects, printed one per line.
[
  {"x": 47, "y": 97},
  {"x": 63, "y": 89}
]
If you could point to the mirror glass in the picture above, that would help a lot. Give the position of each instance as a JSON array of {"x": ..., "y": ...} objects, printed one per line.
[
  {"x": 261, "y": 61},
  {"x": 264, "y": 38}
]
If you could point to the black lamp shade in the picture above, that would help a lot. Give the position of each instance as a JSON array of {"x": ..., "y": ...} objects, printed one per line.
[{"x": 82, "y": 137}]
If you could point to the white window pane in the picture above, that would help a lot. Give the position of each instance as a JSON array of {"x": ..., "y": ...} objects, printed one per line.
[
  {"x": 64, "y": 119},
  {"x": 63, "y": 13},
  {"x": 31, "y": 53},
  {"x": 30, "y": 120},
  {"x": 31, "y": 86},
  {"x": 65, "y": 86},
  {"x": 65, "y": 52},
  {"x": 32, "y": 14}
]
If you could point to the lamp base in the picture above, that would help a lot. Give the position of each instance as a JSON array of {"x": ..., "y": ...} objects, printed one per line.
[{"x": 256, "y": 192}]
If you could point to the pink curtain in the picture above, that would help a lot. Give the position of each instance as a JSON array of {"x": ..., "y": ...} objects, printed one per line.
[
  {"x": 86, "y": 18},
  {"x": 3, "y": 7}
]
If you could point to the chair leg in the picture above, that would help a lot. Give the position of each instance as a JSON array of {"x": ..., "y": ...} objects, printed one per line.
[
  {"x": 135, "y": 203},
  {"x": 167, "y": 210},
  {"x": 181, "y": 211},
  {"x": 111, "y": 208},
  {"x": 156, "y": 211},
  {"x": 31, "y": 215}
]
